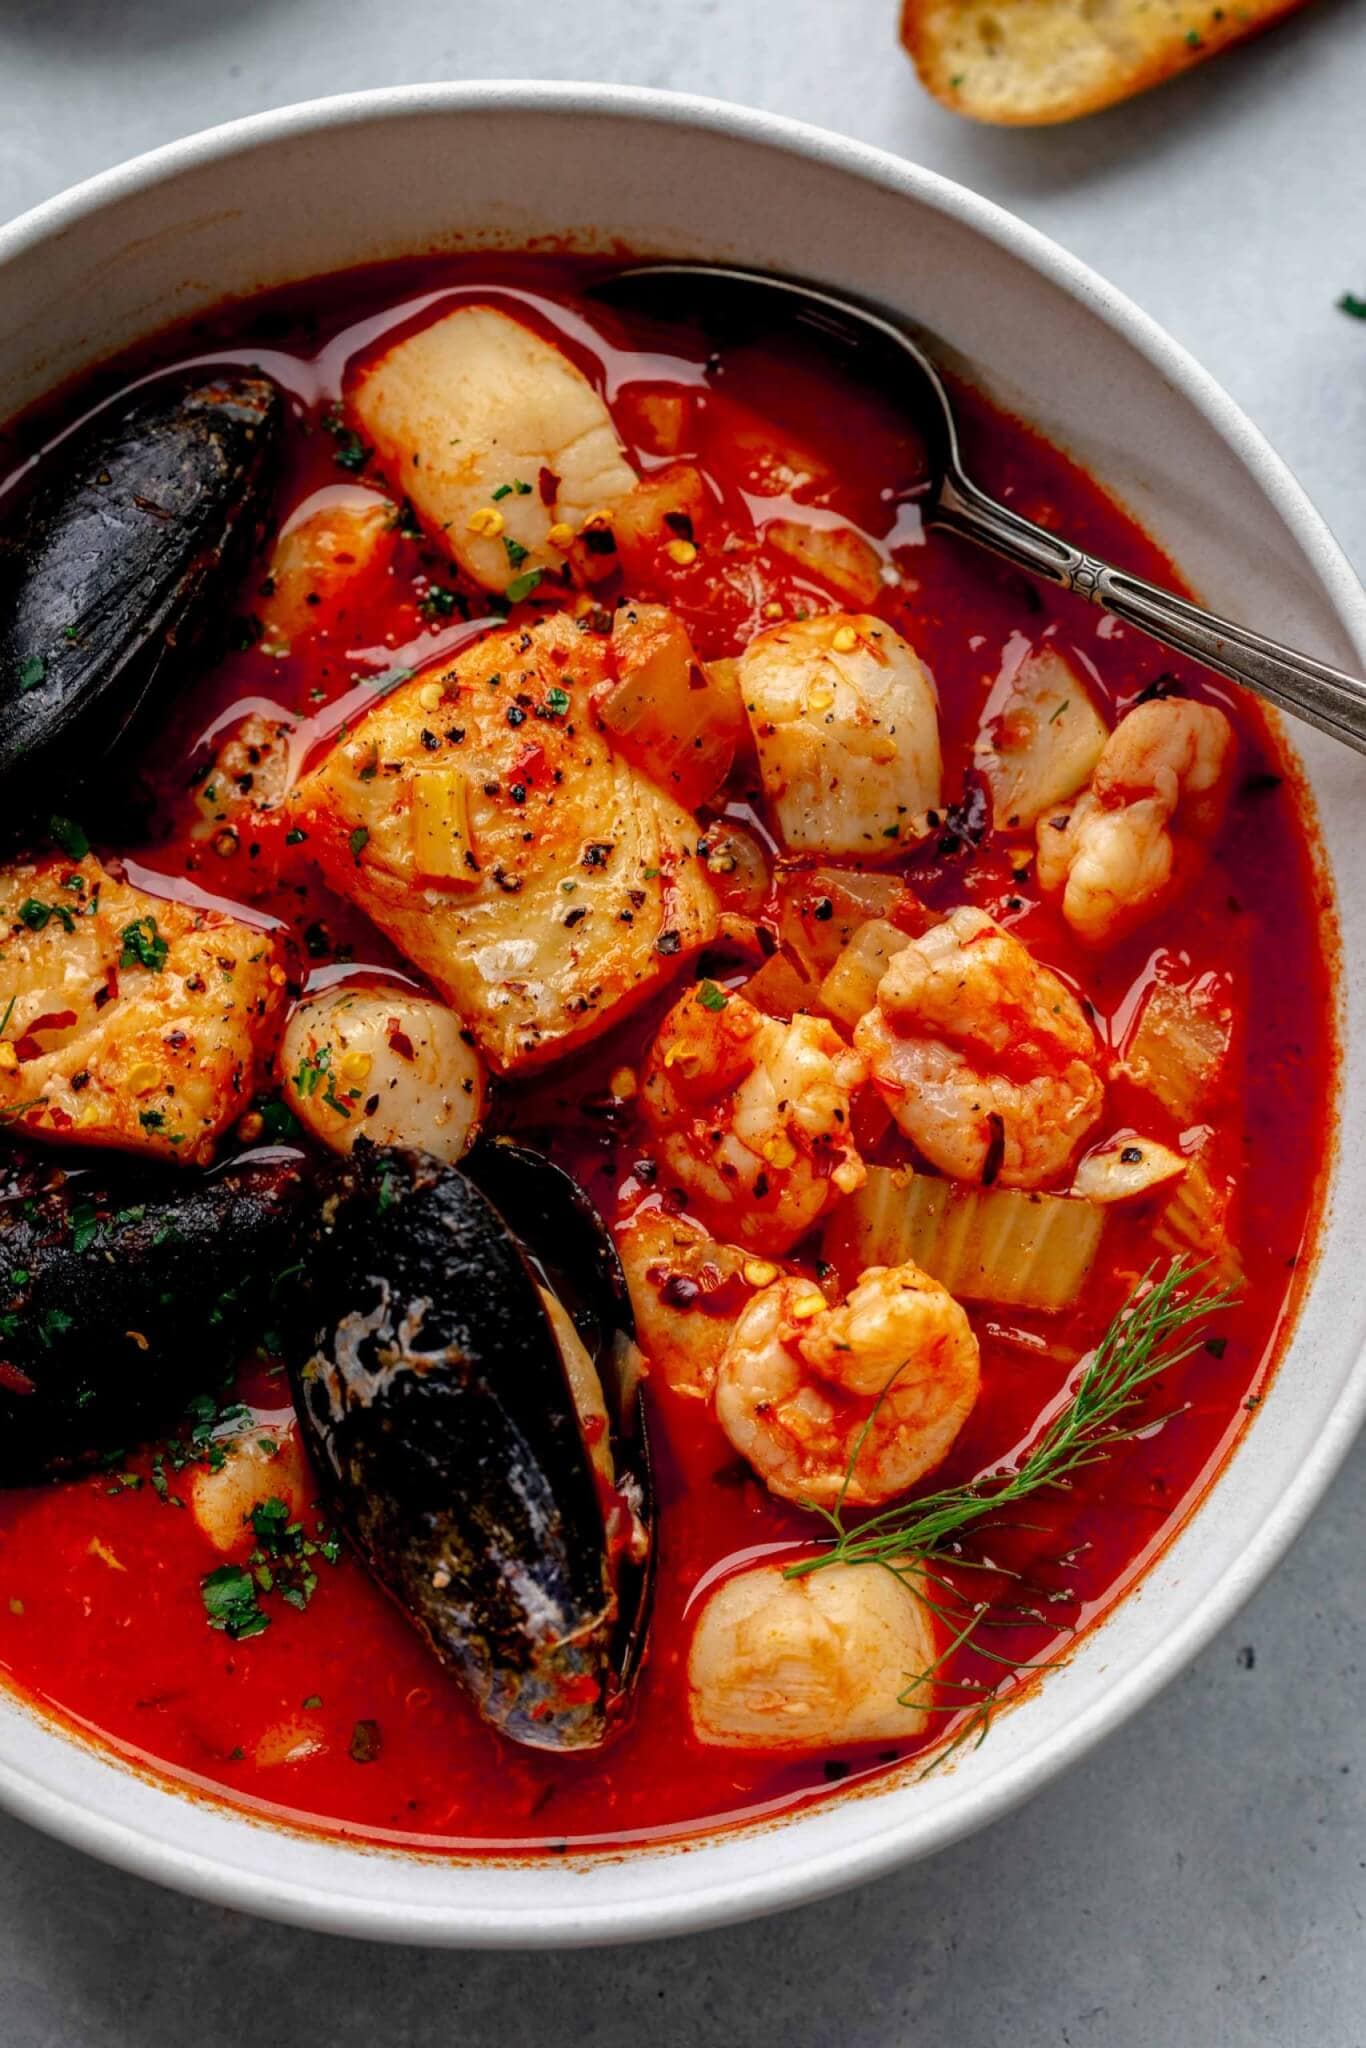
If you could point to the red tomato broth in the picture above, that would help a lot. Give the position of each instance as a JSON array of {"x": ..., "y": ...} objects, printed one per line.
[{"x": 101, "y": 1618}]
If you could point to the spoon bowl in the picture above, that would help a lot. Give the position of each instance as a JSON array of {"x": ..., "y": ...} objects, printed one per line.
[{"x": 723, "y": 296}]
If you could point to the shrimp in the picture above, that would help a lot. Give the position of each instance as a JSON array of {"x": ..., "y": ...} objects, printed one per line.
[
  {"x": 856, "y": 1401},
  {"x": 1155, "y": 802},
  {"x": 983, "y": 1058},
  {"x": 751, "y": 1116}
]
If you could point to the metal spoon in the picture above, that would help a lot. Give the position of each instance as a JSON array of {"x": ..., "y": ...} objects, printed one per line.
[{"x": 1309, "y": 689}]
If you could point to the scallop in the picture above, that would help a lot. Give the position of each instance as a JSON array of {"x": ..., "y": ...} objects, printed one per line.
[
  {"x": 386, "y": 1064},
  {"x": 812, "y": 1663},
  {"x": 846, "y": 726}
]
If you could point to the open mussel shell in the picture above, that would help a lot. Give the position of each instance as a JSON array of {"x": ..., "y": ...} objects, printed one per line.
[
  {"x": 118, "y": 564},
  {"x": 572, "y": 1255},
  {"x": 125, "y": 1292},
  {"x": 439, "y": 1406}
]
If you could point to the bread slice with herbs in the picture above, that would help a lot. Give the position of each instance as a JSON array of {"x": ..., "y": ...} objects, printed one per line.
[{"x": 1031, "y": 62}]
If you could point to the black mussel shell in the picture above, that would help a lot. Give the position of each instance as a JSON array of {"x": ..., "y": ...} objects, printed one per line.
[
  {"x": 572, "y": 1254},
  {"x": 437, "y": 1408},
  {"x": 118, "y": 565},
  {"x": 124, "y": 1293}
]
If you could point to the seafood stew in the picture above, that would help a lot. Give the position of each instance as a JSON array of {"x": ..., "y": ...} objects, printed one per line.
[{"x": 656, "y": 1126}]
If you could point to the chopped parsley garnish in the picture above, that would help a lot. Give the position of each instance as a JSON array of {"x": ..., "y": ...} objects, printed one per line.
[
  {"x": 230, "y": 1602},
  {"x": 438, "y": 602},
  {"x": 278, "y": 1122},
  {"x": 83, "y": 1225},
  {"x": 143, "y": 945},
  {"x": 523, "y": 585},
  {"x": 516, "y": 553},
  {"x": 312, "y": 1069},
  {"x": 350, "y": 451},
  {"x": 711, "y": 997},
  {"x": 37, "y": 915},
  {"x": 557, "y": 701},
  {"x": 151, "y": 1119},
  {"x": 1352, "y": 306},
  {"x": 358, "y": 842},
  {"x": 32, "y": 672},
  {"x": 506, "y": 490},
  {"x": 69, "y": 836}
]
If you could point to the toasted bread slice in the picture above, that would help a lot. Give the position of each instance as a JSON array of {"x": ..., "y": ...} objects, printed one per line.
[{"x": 1031, "y": 62}]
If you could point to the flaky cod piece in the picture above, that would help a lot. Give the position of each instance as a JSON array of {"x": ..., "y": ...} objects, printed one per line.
[
  {"x": 479, "y": 817},
  {"x": 500, "y": 442},
  {"x": 126, "y": 1019}
]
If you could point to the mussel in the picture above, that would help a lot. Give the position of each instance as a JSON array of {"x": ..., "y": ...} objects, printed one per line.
[
  {"x": 471, "y": 1407},
  {"x": 118, "y": 563},
  {"x": 122, "y": 1294}
]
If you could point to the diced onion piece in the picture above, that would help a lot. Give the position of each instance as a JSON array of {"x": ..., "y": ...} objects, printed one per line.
[
  {"x": 439, "y": 816},
  {"x": 261, "y": 1464},
  {"x": 1127, "y": 1168},
  {"x": 837, "y": 555},
  {"x": 812, "y": 1663},
  {"x": 846, "y": 728},
  {"x": 849, "y": 990},
  {"x": 686, "y": 1290},
  {"x": 1179, "y": 1049},
  {"x": 820, "y": 910},
  {"x": 287, "y": 1742},
  {"x": 1040, "y": 740},
  {"x": 670, "y": 716},
  {"x": 382, "y": 1063},
  {"x": 780, "y": 989},
  {"x": 1194, "y": 1222},
  {"x": 666, "y": 508},
  {"x": 660, "y": 417},
  {"x": 322, "y": 562},
  {"x": 1002, "y": 1245}
]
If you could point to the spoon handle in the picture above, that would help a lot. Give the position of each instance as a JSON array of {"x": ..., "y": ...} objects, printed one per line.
[{"x": 1323, "y": 696}]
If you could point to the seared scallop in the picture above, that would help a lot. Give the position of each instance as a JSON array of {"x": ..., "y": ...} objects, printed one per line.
[
  {"x": 846, "y": 726},
  {"x": 386, "y": 1064}
]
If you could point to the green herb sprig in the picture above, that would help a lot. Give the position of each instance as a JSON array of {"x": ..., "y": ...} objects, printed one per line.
[{"x": 1158, "y": 1326}]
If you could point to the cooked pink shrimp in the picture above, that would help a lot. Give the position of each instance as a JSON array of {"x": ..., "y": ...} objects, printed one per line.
[
  {"x": 751, "y": 1116},
  {"x": 1156, "y": 800},
  {"x": 890, "y": 1374},
  {"x": 982, "y": 1056}
]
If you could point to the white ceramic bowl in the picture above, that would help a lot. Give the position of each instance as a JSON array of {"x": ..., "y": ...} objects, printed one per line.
[{"x": 321, "y": 187}]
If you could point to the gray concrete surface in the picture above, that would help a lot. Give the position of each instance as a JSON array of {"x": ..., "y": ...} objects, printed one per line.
[{"x": 1199, "y": 1881}]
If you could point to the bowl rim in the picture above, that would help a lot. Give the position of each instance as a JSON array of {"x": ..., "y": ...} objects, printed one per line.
[{"x": 804, "y": 1878}]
